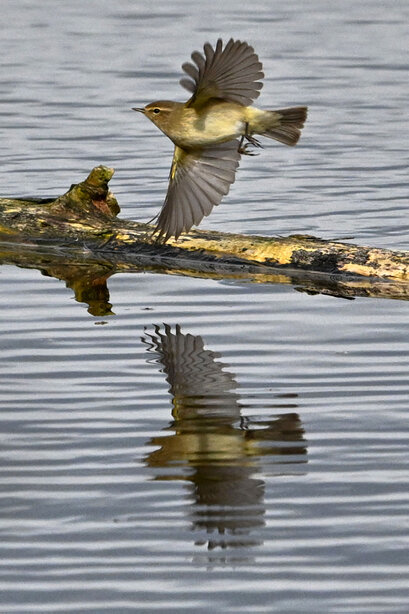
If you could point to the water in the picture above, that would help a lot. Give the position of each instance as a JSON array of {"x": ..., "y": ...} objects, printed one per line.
[{"x": 210, "y": 446}]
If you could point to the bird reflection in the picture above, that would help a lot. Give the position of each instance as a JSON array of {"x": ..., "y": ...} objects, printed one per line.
[{"x": 211, "y": 445}]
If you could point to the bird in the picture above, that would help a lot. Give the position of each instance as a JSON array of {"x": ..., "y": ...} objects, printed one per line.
[{"x": 213, "y": 129}]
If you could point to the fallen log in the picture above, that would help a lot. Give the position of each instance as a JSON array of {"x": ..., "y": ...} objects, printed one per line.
[{"x": 83, "y": 224}]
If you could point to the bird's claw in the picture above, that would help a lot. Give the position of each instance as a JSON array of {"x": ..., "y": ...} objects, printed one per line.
[
  {"x": 253, "y": 141},
  {"x": 246, "y": 150}
]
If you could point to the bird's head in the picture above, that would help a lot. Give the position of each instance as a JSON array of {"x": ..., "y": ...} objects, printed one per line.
[{"x": 159, "y": 112}]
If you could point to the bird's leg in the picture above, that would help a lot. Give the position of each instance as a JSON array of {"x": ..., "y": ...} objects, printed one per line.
[
  {"x": 251, "y": 138},
  {"x": 244, "y": 149}
]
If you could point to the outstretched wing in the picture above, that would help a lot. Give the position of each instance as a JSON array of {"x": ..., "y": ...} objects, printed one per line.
[
  {"x": 198, "y": 181},
  {"x": 195, "y": 375},
  {"x": 231, "y": 73}
]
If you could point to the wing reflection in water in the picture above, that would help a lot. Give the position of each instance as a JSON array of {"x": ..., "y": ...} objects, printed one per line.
[{"x": 211, "y": 445}]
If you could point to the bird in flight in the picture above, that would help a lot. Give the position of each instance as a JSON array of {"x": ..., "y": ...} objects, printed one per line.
[{"x": 213, "y": 129}]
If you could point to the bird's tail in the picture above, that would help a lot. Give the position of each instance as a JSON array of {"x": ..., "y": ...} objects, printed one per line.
[{"x": 287, "y": 126}]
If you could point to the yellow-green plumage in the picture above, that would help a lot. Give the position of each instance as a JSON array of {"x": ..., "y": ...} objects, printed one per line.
[{"x": 206, "y": 129}]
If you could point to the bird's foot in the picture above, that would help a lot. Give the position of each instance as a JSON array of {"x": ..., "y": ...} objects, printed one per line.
[
  {"x": 246, "y": 150},
  {"x": 253, "y": 141}
]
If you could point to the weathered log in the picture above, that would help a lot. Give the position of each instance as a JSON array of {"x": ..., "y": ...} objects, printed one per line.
[{"x": 83, "y": 223}]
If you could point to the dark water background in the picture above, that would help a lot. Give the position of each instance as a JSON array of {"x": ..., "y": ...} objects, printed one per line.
[{"x": 212, "y": 446}]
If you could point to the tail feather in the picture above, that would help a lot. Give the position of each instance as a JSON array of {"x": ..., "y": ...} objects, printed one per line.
[{"x": 289, "y": 129}]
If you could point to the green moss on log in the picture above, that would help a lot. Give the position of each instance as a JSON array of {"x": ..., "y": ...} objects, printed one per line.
[{"x": 86, "y": 217}]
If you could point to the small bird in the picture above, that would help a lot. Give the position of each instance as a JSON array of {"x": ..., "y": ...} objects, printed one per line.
[{"x": 212, "y": 129}]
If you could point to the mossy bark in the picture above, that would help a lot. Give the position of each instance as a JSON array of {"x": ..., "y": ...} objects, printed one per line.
[{"x": 84, "y": 221}]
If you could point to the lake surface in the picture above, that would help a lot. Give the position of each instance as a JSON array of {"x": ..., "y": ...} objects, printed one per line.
[{"x": 201, "y": 445}]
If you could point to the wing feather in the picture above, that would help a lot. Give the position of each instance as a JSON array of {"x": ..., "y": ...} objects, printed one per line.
[
  {"x": 190, "y": 70},
  {"x": 196, "y": 207},
  {"x": 232, "y": 73},
  {"x": 198, "y": 182},
  {"x": 193, "y": 372}
]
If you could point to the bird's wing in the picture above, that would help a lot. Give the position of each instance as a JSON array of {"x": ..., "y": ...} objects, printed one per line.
[
  {"x": 196, "y": 378},
  {"x": 231, "y": 73},
  {"x": 198, "y": 181}
]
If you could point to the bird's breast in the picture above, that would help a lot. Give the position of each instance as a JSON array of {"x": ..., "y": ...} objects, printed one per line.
[{"x": 208, "y": 127}]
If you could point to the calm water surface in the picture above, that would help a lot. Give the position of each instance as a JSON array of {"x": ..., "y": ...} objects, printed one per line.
[{"x": 207, "y": 446}]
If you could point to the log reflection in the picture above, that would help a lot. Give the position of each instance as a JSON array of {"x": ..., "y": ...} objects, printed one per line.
[
  {"x": 86, "y": 273},
  {"x": 211, "y": 445}
]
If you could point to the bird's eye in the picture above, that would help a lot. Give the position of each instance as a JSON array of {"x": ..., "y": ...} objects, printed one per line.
[{"x": 156, "y": 111}]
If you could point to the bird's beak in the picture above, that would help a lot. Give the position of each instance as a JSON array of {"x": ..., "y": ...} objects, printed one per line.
[{"x": 140, "y": 109}]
